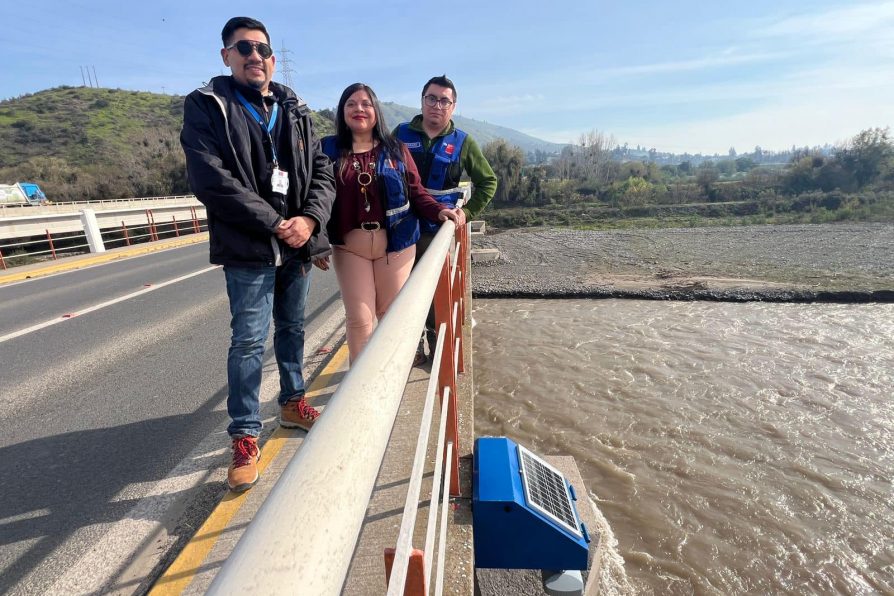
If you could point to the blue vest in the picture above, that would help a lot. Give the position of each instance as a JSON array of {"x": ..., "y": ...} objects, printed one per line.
[
  {"x": 443, "y": 156},
  {"x": 401, "y": 224}
]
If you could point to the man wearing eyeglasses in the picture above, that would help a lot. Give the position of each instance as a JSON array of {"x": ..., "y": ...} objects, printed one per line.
[
  {"x": 255, "y": 163},
  {"x": 442, "y": 153}
]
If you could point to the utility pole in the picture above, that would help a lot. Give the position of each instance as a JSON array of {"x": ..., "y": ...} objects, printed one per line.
[
  {"x": 83, "y": 79},
  {"x": 285, "y": 67},
  {"x": 95, "y": 80},
  {"x": 89, "y": 80}
]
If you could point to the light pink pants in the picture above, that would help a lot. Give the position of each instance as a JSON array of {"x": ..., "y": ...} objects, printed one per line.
[{"x": 369, "y": 280}]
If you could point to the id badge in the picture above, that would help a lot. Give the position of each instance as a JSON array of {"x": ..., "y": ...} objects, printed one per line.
[{"x": 280, "y": 181}]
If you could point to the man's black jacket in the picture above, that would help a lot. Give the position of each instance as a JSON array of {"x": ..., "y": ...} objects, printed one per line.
[{"x": 241, "y": 222}]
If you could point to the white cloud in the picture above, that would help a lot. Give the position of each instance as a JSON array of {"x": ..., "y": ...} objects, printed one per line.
[
  {"x": 838, "y": 22},
  {"x": 722, "y": 59}
]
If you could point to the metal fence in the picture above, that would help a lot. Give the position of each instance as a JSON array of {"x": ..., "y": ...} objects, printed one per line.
[
  {"x": 25, "y": 239},
  {"x": 67, "y": 205}
]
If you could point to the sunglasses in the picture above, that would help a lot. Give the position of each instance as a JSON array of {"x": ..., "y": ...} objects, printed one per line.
[{"x": 245, "y": 48}]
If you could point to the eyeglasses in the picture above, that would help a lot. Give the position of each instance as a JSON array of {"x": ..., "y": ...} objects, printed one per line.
[
  {"x": 246, "y": 47},
  {"x": 432, "y": 101}
]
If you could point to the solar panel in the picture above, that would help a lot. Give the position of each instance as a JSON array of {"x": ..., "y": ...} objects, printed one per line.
[{"x": 547, "y": 491}]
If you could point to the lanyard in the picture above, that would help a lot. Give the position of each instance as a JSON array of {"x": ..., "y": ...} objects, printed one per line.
[{"x": 268, "y": 127}]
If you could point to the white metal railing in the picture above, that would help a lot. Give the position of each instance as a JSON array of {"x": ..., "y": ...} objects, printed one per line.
[
  {"x": 98, "y": 202},
  {"x": 34, "y": 223},
  {"x": 52, "y": 246},
  {"x": 305, "y": 532},
  {"x": 398, "y": 575}
]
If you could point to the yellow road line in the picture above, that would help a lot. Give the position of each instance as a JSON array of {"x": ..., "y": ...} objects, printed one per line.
[
  {"x": 187, "y": 564},
  {"x": 68, "y": 264}
]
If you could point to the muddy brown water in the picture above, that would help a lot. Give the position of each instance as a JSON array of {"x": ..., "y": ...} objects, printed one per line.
[{"x": 732, "y": 448}]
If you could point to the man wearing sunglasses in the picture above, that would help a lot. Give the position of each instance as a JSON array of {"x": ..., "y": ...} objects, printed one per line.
[
  {"x": 254, "y": 161},
  {"x": 442, "y": 153}
]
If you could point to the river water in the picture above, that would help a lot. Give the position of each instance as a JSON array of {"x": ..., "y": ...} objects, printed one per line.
[{"x": 732, "y": 448}]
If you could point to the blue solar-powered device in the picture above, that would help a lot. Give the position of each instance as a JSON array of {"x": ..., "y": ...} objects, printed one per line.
[{"x": 523, "y": 511}]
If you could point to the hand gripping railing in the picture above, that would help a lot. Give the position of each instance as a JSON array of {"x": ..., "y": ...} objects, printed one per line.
[{"x": 303, "y": 536}]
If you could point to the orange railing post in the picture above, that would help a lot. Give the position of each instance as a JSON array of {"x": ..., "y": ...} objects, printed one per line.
[
  {"x": 2, "y": 262},
  {"x": 460, "y": 291},
  {"x": 52, "y": 248},
  {"x": 153, "y": 236},
  {"x": 126, "y": 236},
  {"x": 415, "y": 584},
  {"x": 449, "y": 296}
]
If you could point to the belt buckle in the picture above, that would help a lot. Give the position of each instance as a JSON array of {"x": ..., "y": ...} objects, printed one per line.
[{"x": 370, "y": 226}]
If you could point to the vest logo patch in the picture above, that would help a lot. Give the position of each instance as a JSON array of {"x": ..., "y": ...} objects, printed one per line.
[
  {"x": 414, "y": 145},
  {"x": 448, "y": 149}
]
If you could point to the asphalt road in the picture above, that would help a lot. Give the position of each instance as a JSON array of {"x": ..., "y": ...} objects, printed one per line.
[{"x": 99, "y": 408}]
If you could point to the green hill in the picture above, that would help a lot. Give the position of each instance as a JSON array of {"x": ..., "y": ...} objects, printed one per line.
[
  {"x": 85, "y": 143},
  {"x": 82, "y": 143}
]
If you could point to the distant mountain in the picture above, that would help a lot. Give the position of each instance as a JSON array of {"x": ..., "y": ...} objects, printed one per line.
[{"x": 483, "y": 132}]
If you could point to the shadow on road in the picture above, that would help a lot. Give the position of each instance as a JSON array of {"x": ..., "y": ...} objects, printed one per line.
[{"x": 55, "y": 486}]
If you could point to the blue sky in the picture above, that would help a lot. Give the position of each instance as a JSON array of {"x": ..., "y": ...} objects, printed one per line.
[{"x": 678, "y": 76}]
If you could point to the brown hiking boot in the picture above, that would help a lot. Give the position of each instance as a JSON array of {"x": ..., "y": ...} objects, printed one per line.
[
  {"x": 298, "y": 414},
  {"x": 243, "y": 472}
]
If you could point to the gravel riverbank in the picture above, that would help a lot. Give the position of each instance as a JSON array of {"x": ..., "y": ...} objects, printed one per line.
[{"x": 848, "y": 262}]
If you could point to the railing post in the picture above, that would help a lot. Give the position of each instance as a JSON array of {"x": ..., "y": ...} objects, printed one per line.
[
  {"x": 151, "y": 219},
  {"x": 52, "y": 248},
  {"x": 2, "y": 262},
  {"x": 447, "y": 374},
  {"x": 176, "y": 229},
  {"x": 92, "y": 231},
  {"x": 415, "y": 584},
  {"x": 126, "y": 236},
  {"x": 461, "y": 289},
  {"x": 195, "y": 220}
]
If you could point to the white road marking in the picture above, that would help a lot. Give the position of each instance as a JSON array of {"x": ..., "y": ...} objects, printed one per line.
[
  {"x": 69, "y": 316},
  {"x": 119, "y": 561},
  {"x": 25, "y": 516}
]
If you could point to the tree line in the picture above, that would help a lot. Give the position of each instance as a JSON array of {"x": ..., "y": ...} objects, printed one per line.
[{"x": 852, "y": 181}]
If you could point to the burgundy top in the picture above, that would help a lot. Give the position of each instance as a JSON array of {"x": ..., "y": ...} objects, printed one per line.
[{"x": 348, "y": 211}]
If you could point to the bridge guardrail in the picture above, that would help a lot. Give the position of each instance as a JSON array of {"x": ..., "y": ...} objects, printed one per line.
[
  {"x": 49, "y": 235},
  {"x": 5, "y": 208},
  {"x": 343, "y": 453}
]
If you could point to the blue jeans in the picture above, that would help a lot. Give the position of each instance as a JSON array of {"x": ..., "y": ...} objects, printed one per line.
[{"x": 256, "y": 294}]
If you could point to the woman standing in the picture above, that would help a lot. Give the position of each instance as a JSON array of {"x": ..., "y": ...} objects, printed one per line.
[{"x": 374, "y": 227}]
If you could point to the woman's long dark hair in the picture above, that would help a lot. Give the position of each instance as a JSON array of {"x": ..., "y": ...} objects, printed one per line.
[{"x": 391, "y": 145}]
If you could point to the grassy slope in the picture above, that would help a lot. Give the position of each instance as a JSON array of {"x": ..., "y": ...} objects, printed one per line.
[
  {"x": 79, "y": 142},
  {"x": 81, "y": 125}
]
